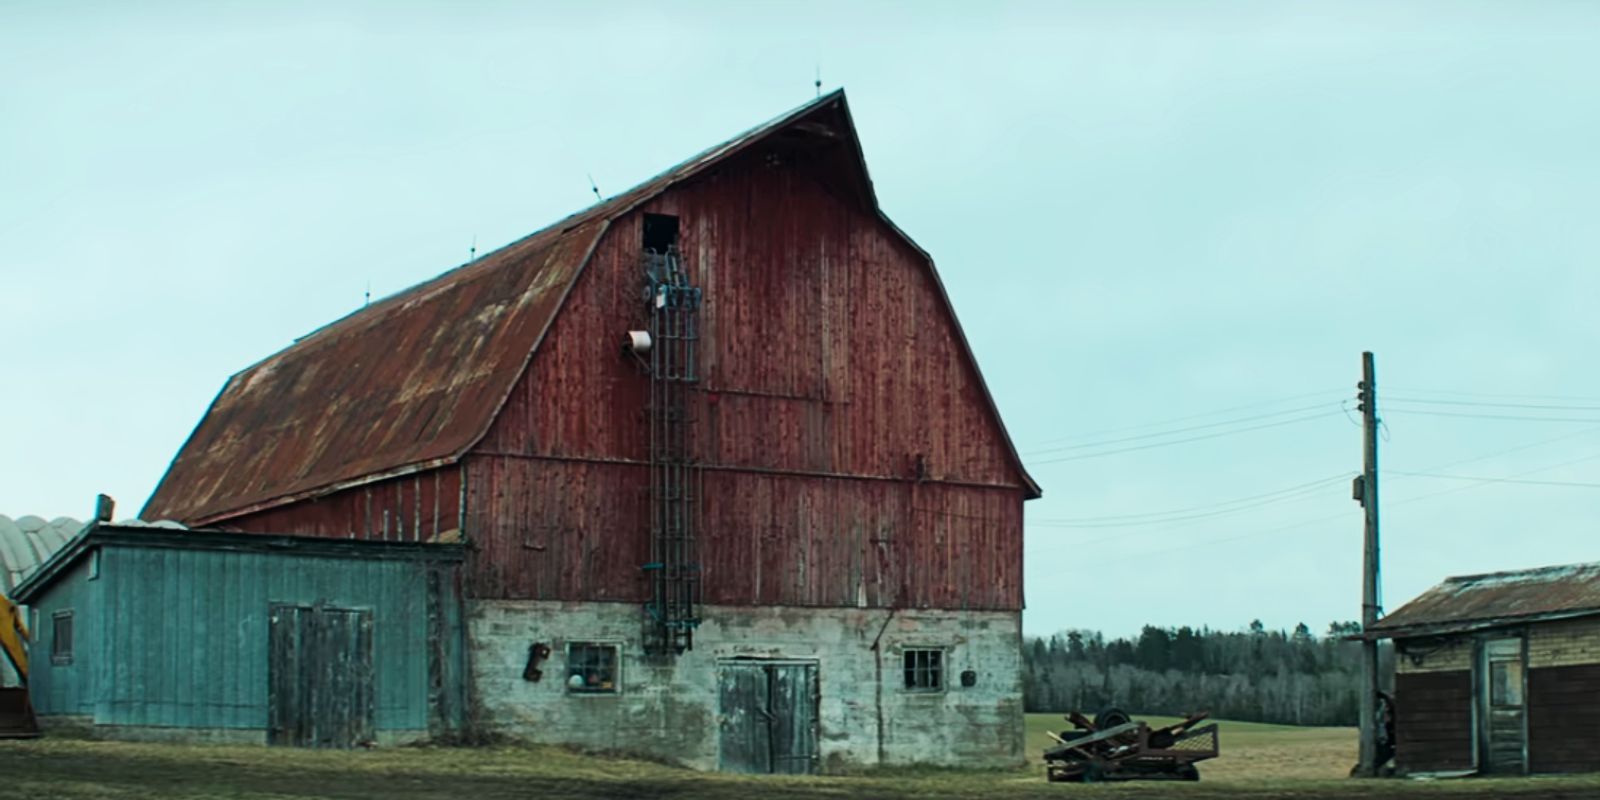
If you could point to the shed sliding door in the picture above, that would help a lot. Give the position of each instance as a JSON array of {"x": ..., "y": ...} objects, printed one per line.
[{"x": 319, "y": 675}]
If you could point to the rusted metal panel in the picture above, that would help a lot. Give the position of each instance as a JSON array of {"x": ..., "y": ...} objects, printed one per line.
[
  {"x": 838, "y": 386},
  {"x": 412, "y": 379},
  {"x": 420, "y": 507},
  {"x": 1473, "y": 601}
]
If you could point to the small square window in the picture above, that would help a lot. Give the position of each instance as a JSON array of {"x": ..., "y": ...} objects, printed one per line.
[
  {"x": 61, "y": 638},
  {"x": 1505, "y": 683},
  {"x": 924, "y": 670},
  {"x": 591, "y": 668}
]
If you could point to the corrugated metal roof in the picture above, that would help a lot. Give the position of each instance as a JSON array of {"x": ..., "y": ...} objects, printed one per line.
[
  {"x": 1471, "y": 601},
  {"x": 413, "y": 381},
  {"x": 26, "y": 542}
]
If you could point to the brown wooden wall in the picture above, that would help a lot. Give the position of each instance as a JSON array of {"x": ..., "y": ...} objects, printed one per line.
[
  {"x": 558, "y": 530},
  {"x": 416, "y": 507},
  {"x": 831, "y": 369},
  {"x": 1433, "y": 721},
  {"x": 1564, "y": 718}
]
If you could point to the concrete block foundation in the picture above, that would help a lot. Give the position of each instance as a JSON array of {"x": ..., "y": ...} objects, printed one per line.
[{"x": 671, "y": 707}]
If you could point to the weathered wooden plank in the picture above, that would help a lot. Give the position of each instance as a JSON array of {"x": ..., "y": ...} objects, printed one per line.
[{"x": 746, "y": 738}]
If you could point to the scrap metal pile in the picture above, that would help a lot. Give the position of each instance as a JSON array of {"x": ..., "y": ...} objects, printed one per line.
[{"x": 1114, "y": 747}]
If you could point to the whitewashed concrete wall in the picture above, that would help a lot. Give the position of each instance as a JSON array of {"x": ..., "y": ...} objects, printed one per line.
[{"x": 668, "y": 708}]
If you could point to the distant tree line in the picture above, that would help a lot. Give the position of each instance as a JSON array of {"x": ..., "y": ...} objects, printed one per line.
[{"x": 1291, "y": 677}]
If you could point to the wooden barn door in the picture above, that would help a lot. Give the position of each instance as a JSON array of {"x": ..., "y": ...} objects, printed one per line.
[
  {"x": 1502, "y": 709},
  {"x": 319, "y": 676},
  {"x": 769, "y": 717}
]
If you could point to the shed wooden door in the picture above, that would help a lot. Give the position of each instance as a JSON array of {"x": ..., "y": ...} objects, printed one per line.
[
  {"x": 769, "y": 717},
  {"x": 1502, "y": 687},
  {"x": 319, "y": 676}
]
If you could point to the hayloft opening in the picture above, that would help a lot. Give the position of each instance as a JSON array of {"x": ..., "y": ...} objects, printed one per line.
[{"x": 660, "y": 232}]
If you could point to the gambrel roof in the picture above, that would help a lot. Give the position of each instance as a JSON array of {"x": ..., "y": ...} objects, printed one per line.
[{"x": 413, "y": 381}]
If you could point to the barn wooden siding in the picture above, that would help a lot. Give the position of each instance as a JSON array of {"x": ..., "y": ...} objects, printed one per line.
[
  {"x": 851, "y": 456},
  {"x": 1563, "y": 718},
  {"x": 176, "y": 636},
  {"x": 1564, "y": 695},
  {"x": 1433, "y": 721},
  {"x": 411, "y": 508}
]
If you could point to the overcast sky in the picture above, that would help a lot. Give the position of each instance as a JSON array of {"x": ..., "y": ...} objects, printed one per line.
[{"x": 1147, "y": 214}]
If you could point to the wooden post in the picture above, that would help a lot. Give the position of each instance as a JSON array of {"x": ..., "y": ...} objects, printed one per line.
[{"x": 1368, "y": 766}]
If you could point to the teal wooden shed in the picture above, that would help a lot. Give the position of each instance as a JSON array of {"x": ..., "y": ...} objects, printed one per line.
[{"x": 143, "y": 632}]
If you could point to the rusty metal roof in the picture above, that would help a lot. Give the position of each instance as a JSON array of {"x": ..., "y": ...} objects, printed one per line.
[
  {"x": 413, "y": 381},
  {"x": 1478, "y": 601}
]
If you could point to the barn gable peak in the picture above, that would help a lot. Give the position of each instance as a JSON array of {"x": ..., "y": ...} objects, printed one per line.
[{"x": 413, "y": 381}]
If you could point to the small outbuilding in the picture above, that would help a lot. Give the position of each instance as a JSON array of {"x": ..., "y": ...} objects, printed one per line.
[
  {"x": 1499, "y": 673},
  {"x": 143, "y": 632}
]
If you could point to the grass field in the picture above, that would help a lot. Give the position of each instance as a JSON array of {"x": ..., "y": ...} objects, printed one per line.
[{"x": 1259, "y": 761}]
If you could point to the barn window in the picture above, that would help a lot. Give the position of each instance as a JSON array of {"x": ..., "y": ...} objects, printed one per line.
[
  {"x": 924, "y": 670},
  {"x": 591, "y": 668},
  {"x": 660, "y": 232},
  {"x": 61, "y": 638}
]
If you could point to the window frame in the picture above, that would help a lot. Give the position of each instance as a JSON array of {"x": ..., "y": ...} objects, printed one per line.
[
  {"x": 588, "y": 647},
  {"x": 58, "y": 655},
  {"x": 924, "y": 669}
]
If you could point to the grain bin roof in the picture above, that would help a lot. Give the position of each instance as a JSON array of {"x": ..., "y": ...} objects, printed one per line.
[
  {"x": 1471, "y": 602},
  {"x": 413, "y": 381},
  {"x": 26, "y": 542}
]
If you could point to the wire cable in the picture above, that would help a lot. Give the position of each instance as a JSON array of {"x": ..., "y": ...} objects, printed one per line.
[
  {"x": 1480, "y": 479},
  {"x": 1186, "y": 440},
  {"x": 1512, "y": 417},
  {"x": 1159, "y": 434},
  {"x": 1200, "y": 512},
  {"x": 1541, "y": 406},
  {"x": 1186, "y": 418}
]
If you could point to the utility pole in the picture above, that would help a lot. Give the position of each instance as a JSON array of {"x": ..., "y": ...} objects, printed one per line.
[{"x": 1367, "y": 493}]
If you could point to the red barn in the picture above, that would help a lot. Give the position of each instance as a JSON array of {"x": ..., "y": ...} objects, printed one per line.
[{"x": 733, "y": 487}]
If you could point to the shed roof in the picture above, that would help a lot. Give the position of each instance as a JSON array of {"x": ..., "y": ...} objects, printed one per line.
[
  {"x": 139, "y": 534},
  {"x": 1471, "y": 602},
  {"x": 413, "y": 381}
]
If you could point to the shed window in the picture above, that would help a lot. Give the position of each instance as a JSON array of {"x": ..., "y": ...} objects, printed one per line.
[
  {"x": 61, "y": 638},
  {"x": 924, "y": 670},
  {"x": 591, "y": 668},
  {"x": 1505, "y": 683}
]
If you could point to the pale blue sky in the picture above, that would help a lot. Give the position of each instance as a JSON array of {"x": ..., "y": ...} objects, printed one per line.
[{"x": 1143, "y": 211}]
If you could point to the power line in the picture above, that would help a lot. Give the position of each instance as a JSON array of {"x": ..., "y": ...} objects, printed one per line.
[
  {"x": 1201, "y": 543},
  {"x": 1187, "y": 440},
  {"x": 1452, "y": 393},
  {"x": 1186, "y": 418},
  {"x": 1499, "y": 480},
  {"x": 1514, "y": 449},
  {"x": 1512, "y": 417},
  {"x": 1475, "y": 482},
  {"x": 1159, "y": 434},
  {"x": 1490, "y": 405},
  {"x": 1533, "y": 471},
  {"x": 1203, "y": 512}
]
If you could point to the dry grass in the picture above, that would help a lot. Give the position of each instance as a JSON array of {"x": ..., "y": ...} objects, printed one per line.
[
  {"x": 1251, "y": 751},
  {"x": 1259, "y": 761}
]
